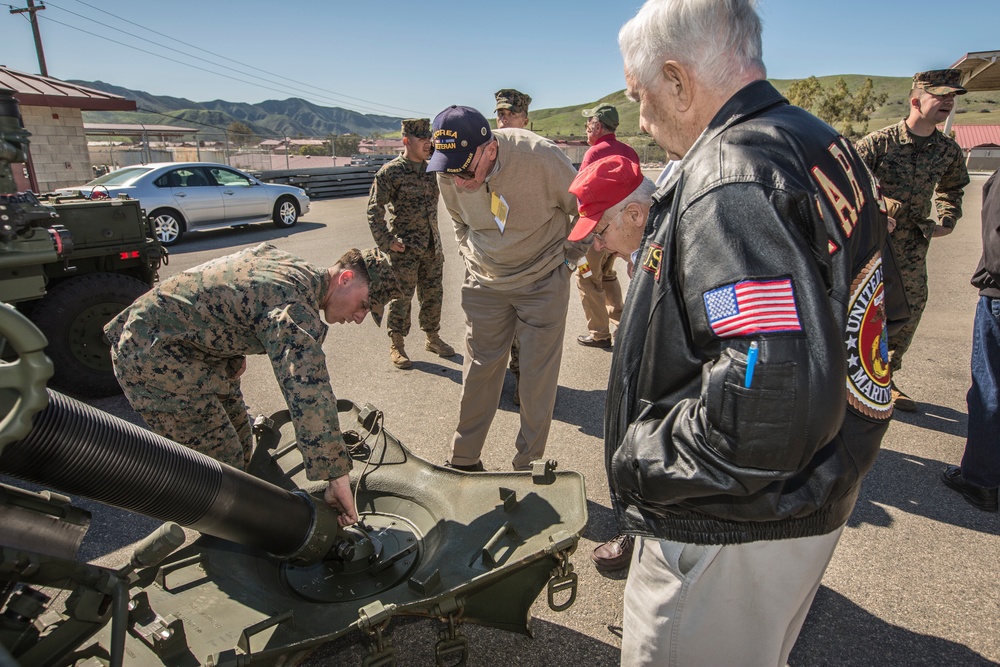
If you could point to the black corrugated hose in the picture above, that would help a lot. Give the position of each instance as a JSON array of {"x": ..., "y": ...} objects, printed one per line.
[{"x": 79, "y": 450}]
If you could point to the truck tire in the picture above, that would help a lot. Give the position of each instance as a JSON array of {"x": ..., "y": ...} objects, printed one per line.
[{"x": 72, "y": 316}]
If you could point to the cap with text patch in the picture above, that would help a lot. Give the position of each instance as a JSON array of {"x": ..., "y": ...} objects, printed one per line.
[
  {"x": 599, "y": 186},
  {"x": 457, "y": 133}
]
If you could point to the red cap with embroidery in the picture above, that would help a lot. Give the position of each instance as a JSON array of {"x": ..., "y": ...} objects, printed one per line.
[{"x": 599, "y": 186}]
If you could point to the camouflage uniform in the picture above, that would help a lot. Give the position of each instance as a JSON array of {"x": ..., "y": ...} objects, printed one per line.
[
  {"x": 411, "y": 196},
  {"x": 909, "y": 177},
  {"x": 178, "y": 349}
]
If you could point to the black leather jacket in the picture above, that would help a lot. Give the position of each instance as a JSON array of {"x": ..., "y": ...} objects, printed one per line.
[{"x": 767, "y": 193}]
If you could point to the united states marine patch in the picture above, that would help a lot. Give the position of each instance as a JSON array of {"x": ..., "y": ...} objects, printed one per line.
[{"x": 868, "y": 378}]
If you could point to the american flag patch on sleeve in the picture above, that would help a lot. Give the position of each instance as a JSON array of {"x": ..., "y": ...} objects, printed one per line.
[{"x": 752, "y": 306}]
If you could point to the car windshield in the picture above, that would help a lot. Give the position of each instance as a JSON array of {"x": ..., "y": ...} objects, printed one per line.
[{"x": 123, "y": 176}]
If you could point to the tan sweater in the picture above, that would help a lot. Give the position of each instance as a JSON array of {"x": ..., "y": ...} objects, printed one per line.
[{"x": 533, "y": 177}]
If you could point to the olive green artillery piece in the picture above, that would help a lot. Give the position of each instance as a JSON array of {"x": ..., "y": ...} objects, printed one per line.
[{"x": 272, "y": 576}]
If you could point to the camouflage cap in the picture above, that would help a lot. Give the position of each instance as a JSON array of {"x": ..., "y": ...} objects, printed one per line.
[
  {"x": 417, "y": 127},
  {"x": 382, "y": 285},
  {"x": 606, "y": 113},
  {"x": 940, "y": 81},
  {"x": 515, "y": 100}
]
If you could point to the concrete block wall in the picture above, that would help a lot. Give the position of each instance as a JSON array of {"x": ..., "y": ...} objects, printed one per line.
[{"x": 58, "y": 147}]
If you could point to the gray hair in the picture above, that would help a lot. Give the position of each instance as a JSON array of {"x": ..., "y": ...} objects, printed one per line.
[
  {"x": 643, "y": 194},
  {"x": 718, "y": 39}
]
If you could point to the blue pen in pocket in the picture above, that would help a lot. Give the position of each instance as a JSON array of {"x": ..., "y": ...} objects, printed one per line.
[{"x": 751, "y": 362}]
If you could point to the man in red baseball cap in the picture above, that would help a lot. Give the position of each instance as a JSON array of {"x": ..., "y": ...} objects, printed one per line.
[{"x": 614, "y": 199}]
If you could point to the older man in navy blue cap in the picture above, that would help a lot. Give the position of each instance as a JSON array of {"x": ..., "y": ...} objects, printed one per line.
[{"x": 508, "y": 194}]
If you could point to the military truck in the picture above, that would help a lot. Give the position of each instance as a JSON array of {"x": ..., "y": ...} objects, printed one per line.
[{"x": 70, "y": 265}]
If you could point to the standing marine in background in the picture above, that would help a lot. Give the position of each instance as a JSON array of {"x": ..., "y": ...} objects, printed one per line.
[
  {"x": 915, "y": 163},
  {"x": 512, "y": 112},
  {"x": 402, "y": 214}
]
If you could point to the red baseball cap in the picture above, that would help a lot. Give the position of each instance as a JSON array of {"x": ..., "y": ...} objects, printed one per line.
[{"x": 599, "y": 186}]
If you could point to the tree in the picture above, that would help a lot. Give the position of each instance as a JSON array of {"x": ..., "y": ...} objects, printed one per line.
[
  {"x": 241, "y": 134},
  {"x": 837, "y": 105},
  {"x": 347, "y": 144},
  {"x": 805, "y": 92}
]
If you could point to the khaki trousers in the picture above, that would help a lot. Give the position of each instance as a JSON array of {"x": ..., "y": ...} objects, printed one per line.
[
  {"x": 537, "y": 314},
  {"x": 738, "y": 604},
  {"x": 601, "y": 294}
]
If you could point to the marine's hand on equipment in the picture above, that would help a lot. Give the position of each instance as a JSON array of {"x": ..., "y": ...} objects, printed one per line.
[{"x": 338, "y": 496}]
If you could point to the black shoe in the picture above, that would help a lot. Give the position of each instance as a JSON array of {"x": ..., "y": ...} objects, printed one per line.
[
  {"x": 901, "y": 401},
  {"x": 590, "y": 341},
  {"x": 614, "y": 554},
  {"x": 473, "y": 467},
  {"x": 978, "y": 496}
]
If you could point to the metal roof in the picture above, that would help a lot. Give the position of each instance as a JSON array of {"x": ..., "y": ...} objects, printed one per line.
[
  {"x": 980, "y": 70},
  {"x": 41, "y": 91},
  {"x": 972, "y": 136}
]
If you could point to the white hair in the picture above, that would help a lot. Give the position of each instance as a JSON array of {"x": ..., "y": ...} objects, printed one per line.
[
  {"x": 718, "y": 39},
  {"x": 643, "y": 194}
]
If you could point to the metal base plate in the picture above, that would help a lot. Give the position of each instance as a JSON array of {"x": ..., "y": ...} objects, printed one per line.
[{"x": 370, "y": 560}]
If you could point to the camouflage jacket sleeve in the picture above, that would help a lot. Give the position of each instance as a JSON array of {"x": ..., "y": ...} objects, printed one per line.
[
  {"x": 950, "y": 189},
  {"x": 294, "y": 342},
  {"x": 382, "y": 192}
]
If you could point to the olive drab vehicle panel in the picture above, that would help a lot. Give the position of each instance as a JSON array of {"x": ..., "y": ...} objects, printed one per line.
[{"x": 70, "y": 264}]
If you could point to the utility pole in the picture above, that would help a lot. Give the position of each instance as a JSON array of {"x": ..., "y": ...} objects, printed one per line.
[{"x": 32, "y": 11}]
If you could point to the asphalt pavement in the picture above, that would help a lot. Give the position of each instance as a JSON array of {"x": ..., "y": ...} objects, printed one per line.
[{"x": 913, "y": 581}]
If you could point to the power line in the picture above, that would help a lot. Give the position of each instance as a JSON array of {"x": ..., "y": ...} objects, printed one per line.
[
  {"x": 218, "y": 55},
  {"x": 283, "y": 90},
  {"x": 179, "y": 62}
]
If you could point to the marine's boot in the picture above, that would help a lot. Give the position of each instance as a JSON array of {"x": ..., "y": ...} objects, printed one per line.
[
  {"x": 397, "y": 353},
  {"x": 438, "y": 346}
]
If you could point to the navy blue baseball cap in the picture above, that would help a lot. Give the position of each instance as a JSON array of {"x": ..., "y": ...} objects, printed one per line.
[{"x": 457, "y": 133}]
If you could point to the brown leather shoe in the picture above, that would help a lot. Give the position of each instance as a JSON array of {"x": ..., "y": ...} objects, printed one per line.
[
  {"x": 590, "y": 341},
  {"x": 614, "y": 554},
  {"x": 472, "y": 467}
]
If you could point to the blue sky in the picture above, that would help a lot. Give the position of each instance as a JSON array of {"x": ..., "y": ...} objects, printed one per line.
[{"x": 403, "y": 58}]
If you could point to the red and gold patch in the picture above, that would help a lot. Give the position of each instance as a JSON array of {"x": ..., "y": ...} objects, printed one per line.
[{"x": 868, "y": 379}]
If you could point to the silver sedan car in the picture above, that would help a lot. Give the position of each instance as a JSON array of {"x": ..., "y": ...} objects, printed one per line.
[{"x": 185, "y": 196}]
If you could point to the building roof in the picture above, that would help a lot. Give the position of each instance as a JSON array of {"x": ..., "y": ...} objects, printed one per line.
[
  {"x": 972, "y": 136},
  {"x": 980, "y": 70},
  {"x": 33, "y": 90}
]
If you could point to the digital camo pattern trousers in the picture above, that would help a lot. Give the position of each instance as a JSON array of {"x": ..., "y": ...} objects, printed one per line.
[
  {"x": 910, "y": 246},
  {"x": 195, "y": 403},
  {"x": 422, "y": 269}
]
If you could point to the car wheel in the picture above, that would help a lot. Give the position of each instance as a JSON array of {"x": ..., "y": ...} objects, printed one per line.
[
  {"x": 286, "y": 213},
  {"x": 72, "y": 316},
  {"x": 168, "y": 225}
]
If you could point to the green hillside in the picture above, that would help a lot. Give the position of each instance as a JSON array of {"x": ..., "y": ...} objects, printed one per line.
[{"x": 973, "y": 109}]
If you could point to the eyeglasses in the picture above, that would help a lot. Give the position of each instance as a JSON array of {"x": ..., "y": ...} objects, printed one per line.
[
  {"x": 470, "y": 173},
  {"x": 600, "y": 235}
]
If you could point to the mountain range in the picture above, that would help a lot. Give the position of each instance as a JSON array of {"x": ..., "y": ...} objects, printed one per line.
[
  {"x": 299, "y": 118},
  {"x": 269, "y": 119}
]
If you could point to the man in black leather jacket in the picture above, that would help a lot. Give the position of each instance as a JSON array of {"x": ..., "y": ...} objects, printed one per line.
[{"x": 750, "y": 385}]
